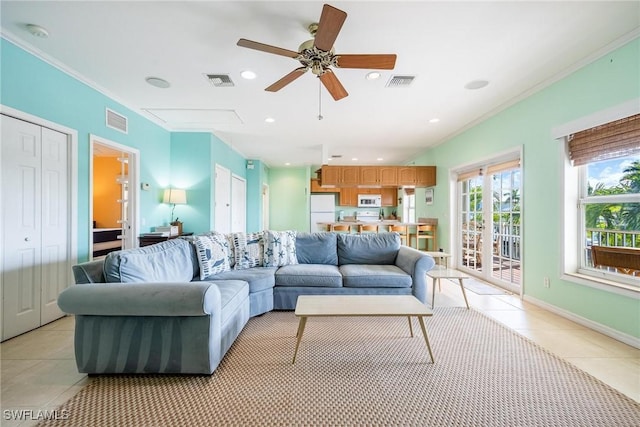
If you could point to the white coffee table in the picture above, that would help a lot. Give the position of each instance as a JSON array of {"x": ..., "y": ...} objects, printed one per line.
[
  {"x": 437, "y": 274},
  {"x": 361, "y": 305}
]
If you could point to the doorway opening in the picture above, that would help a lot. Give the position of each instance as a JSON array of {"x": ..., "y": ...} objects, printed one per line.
[{"x": 113, "y": 197}]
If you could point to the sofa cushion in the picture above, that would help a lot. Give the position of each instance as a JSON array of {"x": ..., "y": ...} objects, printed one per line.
[
  {"x": 374, "y": 276},
  {"x": 309, "y": 275},
  {"x": 248, "y": 249},
  {"x": 374, "y": 249},
  {"x": 279, "y": 248},
  {"x": 169, "y": 261},
  {"x": 212, "y": 254},
  {"x": 317, "y": 248},
  {"x": 259, "y": 278}
]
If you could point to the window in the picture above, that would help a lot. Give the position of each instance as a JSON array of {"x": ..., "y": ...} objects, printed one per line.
[
  {"x": 409, "y": 205},
  {"x": 606, "y": 162}
]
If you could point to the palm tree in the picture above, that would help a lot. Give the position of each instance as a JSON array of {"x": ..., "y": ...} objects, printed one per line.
[{"x": 631, "y": 211}]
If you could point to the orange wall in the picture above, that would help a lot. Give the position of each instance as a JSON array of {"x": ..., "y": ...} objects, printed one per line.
[{"x": 106, "y": 192}]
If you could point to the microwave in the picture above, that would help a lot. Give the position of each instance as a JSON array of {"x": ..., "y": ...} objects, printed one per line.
[{"x": 369, "y": 200}]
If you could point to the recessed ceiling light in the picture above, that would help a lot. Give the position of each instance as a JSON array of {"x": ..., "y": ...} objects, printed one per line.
[
  {"x": 380, "y": 159},
  {"x": 355, "y": 159},
  {"x": 158, "y": 82},
  {"x": 287, "y": 164},
  {"x": 248, "y": 74},
  {"x": 269, "y": 120},
  {"x": 434, "y": 120},
  {"x": 329, "y": 159},
  {"x": 37, "y": 31},
  {"x": 476, "y": 84},
  {"x": 374, "y": 75}
]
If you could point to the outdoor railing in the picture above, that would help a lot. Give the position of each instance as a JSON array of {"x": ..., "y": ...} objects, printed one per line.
[{"x": 604, "y": 237}]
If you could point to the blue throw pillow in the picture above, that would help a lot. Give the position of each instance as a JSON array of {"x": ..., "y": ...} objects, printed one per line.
[
  {"x": 279, "y": 248},
  {"x": 212, "y": 256}
]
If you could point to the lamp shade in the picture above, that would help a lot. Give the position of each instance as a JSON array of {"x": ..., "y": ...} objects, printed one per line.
[{"x": 175, "y": 196}]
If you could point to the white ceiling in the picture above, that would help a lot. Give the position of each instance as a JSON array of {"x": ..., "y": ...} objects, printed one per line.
[{"x": 517, "y": 46}]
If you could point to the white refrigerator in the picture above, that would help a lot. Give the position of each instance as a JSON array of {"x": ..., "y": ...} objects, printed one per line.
[{"x": 323, "y": 209}]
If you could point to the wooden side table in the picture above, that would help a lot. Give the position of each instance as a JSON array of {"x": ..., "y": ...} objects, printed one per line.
[{"x": 152, "y": 240}]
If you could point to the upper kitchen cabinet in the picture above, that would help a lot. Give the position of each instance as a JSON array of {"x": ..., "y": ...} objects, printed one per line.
[
  {"x": 418, "y": 176},
  {"x": 377, "y": 176},
  {"x": 341, "y": 176},
  {"x": 425, "y": 176},
  {"x": 388, "y": 175},
  {"x": 407, "y": 175},
  {"x": 381, "y": 176}
]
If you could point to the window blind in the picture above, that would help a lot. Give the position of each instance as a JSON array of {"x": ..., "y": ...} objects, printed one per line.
[{"x": 619, "y": 138}]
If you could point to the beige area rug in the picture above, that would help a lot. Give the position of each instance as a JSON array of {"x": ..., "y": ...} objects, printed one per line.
[{"x": 364, "y": 371}]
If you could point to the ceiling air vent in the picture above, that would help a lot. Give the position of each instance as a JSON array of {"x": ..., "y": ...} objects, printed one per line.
[
  {"x": 220, "y": 80},
  {"x": 400, "y": 81},
  {"x": 117, "y": 121}
]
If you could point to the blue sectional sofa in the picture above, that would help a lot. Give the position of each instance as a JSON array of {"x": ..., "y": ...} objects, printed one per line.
[{"x": 150, "y": 310}]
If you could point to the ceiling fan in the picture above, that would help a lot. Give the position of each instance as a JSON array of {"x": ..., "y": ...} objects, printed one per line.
[{"x": 318, "y": 55}]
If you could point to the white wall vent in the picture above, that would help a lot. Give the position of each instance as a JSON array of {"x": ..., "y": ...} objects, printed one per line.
[
  {"x": 117, "y": 121},
  {"x": 220, "y": 80},
  {"x": 400, "y": 81}
]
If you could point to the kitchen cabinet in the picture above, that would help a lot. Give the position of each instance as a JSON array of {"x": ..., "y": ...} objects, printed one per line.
[
  {"x": 389, "y": 196},
  {"x": 369, "y": 175},
  {"x": 419, "y": 176},
  {"x": 350, "y": 175},
  {"x": 425, "y": 176},
  {"x": 406, "y": 175},
  {"x": 388, "y": 176},
  {"x": 316, "y": 188},
  {"x": 378, "y": 176},
  {"x": 349, "y": 196},
  {"x": 340, "y": 175}
]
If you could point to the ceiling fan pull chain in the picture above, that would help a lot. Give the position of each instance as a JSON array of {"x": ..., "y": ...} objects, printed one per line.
[{"x": 320, "y": 99}]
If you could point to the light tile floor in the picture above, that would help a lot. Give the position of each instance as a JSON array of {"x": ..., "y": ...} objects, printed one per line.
[{"x": 38, "y": 369}]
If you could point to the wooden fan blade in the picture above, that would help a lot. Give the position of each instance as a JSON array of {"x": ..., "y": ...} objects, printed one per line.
[
  {"x": 286, "y": 79},
  {"x": 267, "y": 48},
  {"x": 333, "y": 85},
  {"x": 329, "y": 26},
  {"x": 374, "y": 62}
]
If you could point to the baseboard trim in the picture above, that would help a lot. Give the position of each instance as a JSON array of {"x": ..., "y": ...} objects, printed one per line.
[{"x": 603, "y": 329}]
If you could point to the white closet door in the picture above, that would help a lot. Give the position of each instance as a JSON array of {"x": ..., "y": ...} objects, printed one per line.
[
  {"x": 35, "y": 217},
  {"x": 222, "y": 200},
  {"x": 22, "y": 229},
  {"x": 54, "y": 222},
  {"x": 238, "y": 204}
]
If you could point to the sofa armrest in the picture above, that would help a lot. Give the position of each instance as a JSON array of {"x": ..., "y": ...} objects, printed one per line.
[
  {"x": 141, "y": 299},
  {"x": 416, "y": 264}
]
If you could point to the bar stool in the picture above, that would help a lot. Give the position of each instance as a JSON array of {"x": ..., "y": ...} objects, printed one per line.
[
  {"x": 402, "y": 230},
  {"x": 341, "y": 228},
  {"x": 367, "y": 228},
  {"x": 428, "y": 233}
]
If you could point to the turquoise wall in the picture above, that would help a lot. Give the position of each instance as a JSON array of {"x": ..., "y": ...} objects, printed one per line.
[
  {"x": 30, "y": 85},
  {"x": 607, "y": 82},
  {"x": 179, "y": 159},
  {"x": 193, "y": 159},
  {"x": 289, "y": 199}
]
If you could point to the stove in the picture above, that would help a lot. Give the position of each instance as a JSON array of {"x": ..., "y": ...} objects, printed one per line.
[{"x": 368, "y": 216}]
